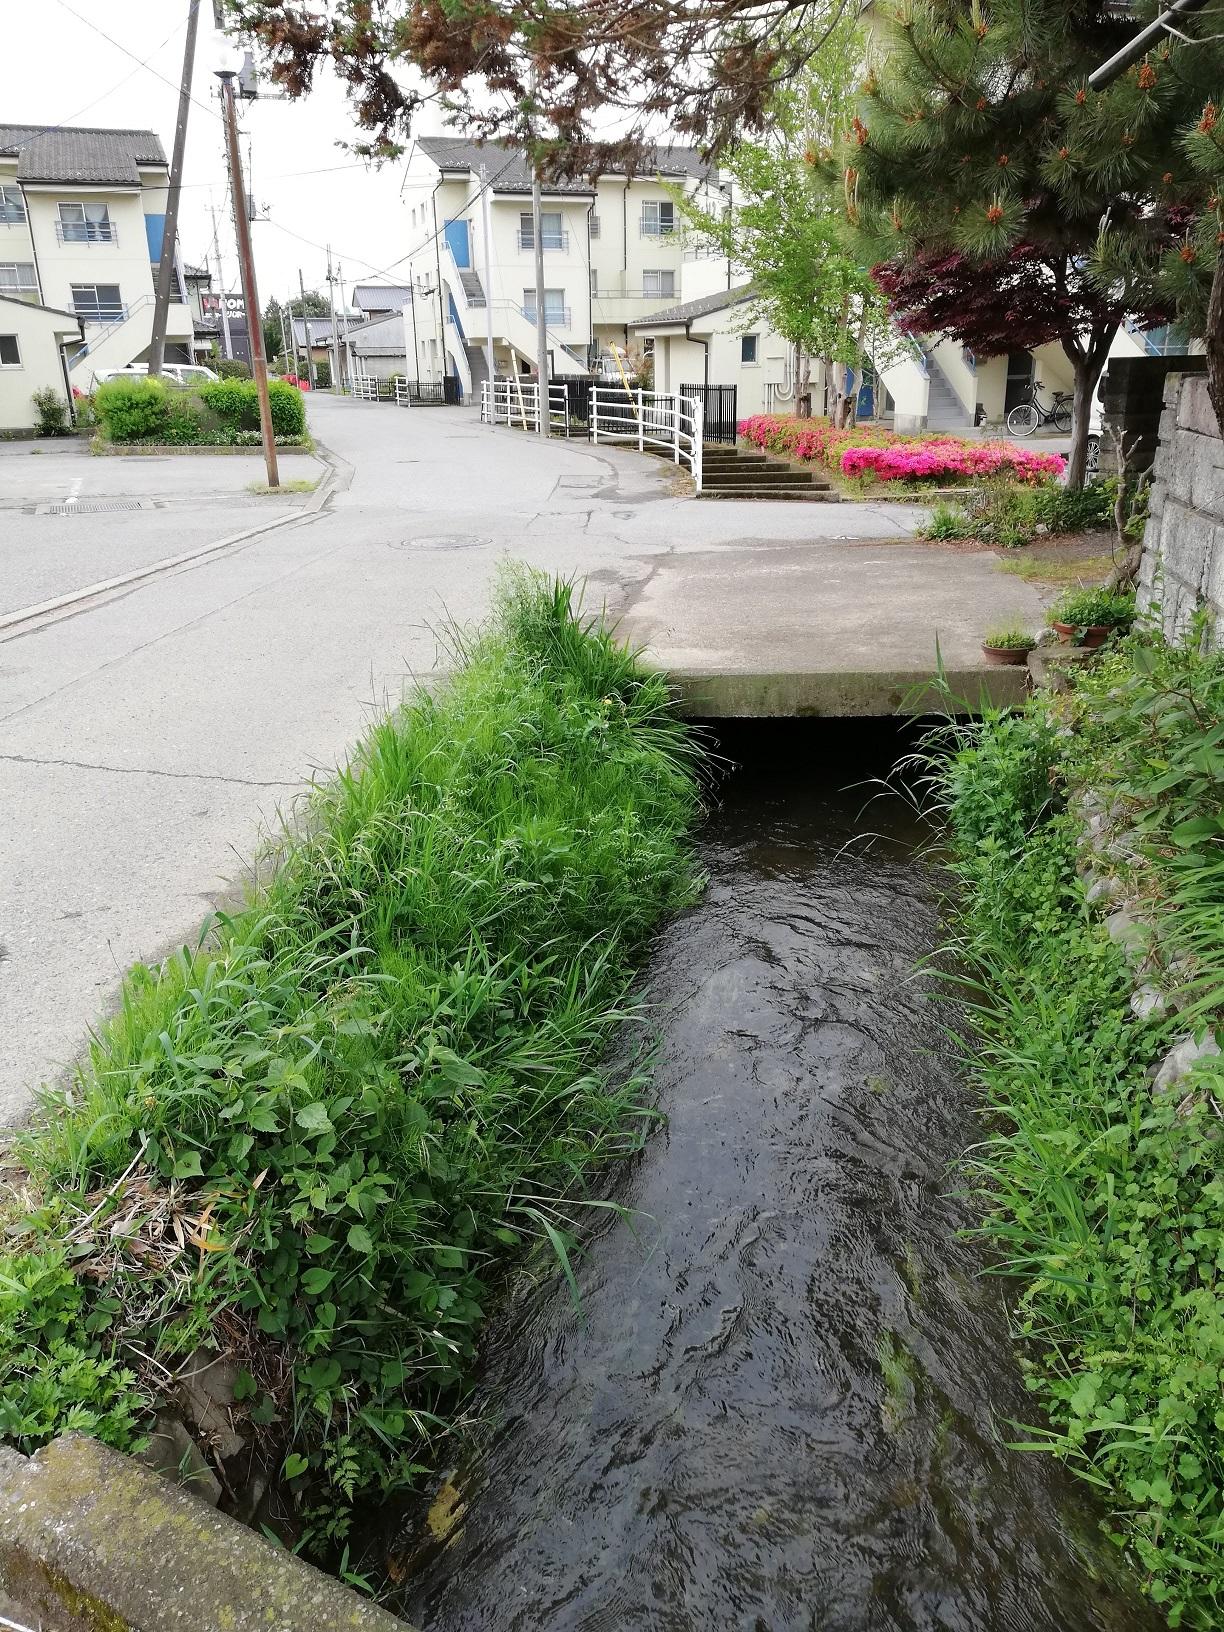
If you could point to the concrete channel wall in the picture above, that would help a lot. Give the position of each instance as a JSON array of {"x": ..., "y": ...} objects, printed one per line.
[
  {"x": 92, "y": 1541},
  {"x": 1182, "y": 569}
]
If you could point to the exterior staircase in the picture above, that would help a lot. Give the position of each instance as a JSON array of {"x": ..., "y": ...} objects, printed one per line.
[
  {"x": 731, "y": 473},
  {"x": 945, "y": 410},
  {"x": 473, "y": 289}
]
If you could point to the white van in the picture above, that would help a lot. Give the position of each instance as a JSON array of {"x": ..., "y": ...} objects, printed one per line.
[{"x": 176, "y": 373}]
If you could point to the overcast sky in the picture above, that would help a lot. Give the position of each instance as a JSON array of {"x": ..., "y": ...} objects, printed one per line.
[{"x": 57, "y": 69}]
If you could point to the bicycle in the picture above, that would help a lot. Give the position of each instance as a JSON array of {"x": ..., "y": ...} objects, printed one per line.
[{"x": 1026, "y": 416}]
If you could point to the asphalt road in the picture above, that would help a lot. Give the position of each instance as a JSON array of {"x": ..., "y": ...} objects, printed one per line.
[{"x": 149, "y": 735}]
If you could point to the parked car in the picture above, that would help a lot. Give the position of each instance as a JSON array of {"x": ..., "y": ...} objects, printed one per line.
[{"x": 179, "y": 373}]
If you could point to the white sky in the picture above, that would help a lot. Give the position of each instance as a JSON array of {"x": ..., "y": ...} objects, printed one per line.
[{"x": 57, "y": 69}]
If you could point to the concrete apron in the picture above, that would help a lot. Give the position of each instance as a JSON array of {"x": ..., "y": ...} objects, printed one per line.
[{"x": 92, "y": 1541}]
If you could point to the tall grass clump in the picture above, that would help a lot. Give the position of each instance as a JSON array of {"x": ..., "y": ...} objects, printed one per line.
[
  {"x": 1104, "y": 1198},
  {"x": 312, "y": 1141}
]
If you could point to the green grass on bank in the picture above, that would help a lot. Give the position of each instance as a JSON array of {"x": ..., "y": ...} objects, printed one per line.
[
  {"x": 315, "y": 1140},
  {"x": 1106, "y": 1202}
]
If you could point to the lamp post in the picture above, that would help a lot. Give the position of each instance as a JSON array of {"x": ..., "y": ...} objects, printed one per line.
[{"x": 246, "y": 266}]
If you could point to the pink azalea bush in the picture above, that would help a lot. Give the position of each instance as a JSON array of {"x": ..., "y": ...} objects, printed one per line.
[{"x": 874, "y": 454}]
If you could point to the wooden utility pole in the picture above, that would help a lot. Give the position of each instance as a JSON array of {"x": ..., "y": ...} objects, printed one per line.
[
  {"x": 227, "y": 343},
  {"x": 246, "y": 265},
  {"x": 165, "y": 263},
  {"x": 310, "y": 368}
]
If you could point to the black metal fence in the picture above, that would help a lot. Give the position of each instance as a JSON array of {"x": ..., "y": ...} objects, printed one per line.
[
  {"x": 433, "y": 393},
  {"x": 718, "y": 410}
]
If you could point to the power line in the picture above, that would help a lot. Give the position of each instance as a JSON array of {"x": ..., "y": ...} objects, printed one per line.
[
  {"x": 140, "y": 62},
  {"x": 46, "y": 130}
]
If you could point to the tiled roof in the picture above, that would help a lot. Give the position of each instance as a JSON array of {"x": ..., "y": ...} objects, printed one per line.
[
  {"x": 319, "y": 329},
  {"x": 381, "y": 297},
  {"x": 510, "y": 169},
  {"x": 80, "y": 153},
  {"x": 694, "y": 308}
]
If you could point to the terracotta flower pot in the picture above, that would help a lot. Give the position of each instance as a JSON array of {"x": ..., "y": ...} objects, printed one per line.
[
  {"x": 1011, "y": 656},
  {"x": 1093, "y": 634}
]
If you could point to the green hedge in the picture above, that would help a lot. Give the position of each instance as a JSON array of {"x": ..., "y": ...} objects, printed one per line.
[
  {"x": 365, "y": 1092},
  {"x": 221, "y": 412}
]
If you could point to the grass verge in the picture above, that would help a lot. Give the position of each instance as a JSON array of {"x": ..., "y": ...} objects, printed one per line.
[
  {"x": 1104, "y": 1198},
  {"x": 298, "y": 484},
  {"x": 312, "y": 1141}
]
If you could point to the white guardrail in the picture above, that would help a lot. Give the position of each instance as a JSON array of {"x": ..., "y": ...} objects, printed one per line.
[{"x": 645, "y": 419}]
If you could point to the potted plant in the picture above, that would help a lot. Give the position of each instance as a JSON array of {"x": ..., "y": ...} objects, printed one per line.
[
  {"x": 1007, "y": 646},
  {"x": 1087, "y": 617}
]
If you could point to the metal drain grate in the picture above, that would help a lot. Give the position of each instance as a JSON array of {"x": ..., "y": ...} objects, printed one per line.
[{"x": 91, "y": 507}]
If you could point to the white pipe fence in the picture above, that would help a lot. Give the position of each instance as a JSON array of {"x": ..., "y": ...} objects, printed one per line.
[
  {"x": 646, "y": 419},
  {"x": 651, "y": 419}
]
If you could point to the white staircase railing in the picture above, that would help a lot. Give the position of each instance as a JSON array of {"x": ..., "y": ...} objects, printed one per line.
[
  {"x": 650, "y": 419},
  {"x": 646, "y": 419}
]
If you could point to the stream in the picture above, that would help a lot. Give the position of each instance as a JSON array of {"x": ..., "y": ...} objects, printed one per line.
[{"x": 786, "y": 1401}]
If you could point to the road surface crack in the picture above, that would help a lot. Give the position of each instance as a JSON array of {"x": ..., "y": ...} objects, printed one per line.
[{"x": 139, "y": 770}]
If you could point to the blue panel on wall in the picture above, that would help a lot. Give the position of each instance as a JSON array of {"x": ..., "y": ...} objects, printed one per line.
[
  {"x": 155, "y": 227},
  {"x": 457, "y": 238}
]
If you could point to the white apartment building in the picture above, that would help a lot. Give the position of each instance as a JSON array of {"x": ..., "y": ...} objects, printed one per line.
[
  {"x": 613, "y": 251},
  {"x": 82, "y": 213}
]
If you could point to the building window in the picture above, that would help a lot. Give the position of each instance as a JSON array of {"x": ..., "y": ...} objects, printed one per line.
[
  {"x": 555, "y": 309},
  {"x": 17, "y": 278},
  {"x": 748, "y": 348},
  {"x": 648, "y": 346},
  {"x": 97, "y": 302},
  {"x": 658, "y": 283},
  {"x": 12, "y": 207},
  {"x": 10, "y": 351},
  {"x": 658, "y": 218},
  {"x": 552, "y": 231},
  {"x": 594, "y": 225},
  {"x": 85, "y": 224}
]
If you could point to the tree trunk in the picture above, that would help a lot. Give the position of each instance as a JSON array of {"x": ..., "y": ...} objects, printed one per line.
[
  {"x": 1214, "y": 339},
  {"x": 803, "y": 383},
  {"x": 1081, "y": 409}
]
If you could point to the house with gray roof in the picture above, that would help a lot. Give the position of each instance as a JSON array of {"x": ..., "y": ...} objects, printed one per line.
[
  {"x": 82, "y": 213},
  {"x": 613, "y": 247},
  {"x": 721, "y": 338}
]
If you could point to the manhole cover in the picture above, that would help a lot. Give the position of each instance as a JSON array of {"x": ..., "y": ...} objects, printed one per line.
[{"x": 92, "y": 507}]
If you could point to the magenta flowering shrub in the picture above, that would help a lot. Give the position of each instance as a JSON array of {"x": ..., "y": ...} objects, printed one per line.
[{"x": 879, "y": 455}]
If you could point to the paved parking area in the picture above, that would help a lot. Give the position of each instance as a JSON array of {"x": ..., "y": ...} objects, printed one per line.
[{"x": 69, "y": 518}]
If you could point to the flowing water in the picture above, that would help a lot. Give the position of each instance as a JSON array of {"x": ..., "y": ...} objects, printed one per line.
[{"x": 784, "y": 1404}]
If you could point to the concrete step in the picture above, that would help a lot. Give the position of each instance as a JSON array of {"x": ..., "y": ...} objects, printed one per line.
[
  {"x": 721, "y": 478},
  {"x": 771, "y": 495}
]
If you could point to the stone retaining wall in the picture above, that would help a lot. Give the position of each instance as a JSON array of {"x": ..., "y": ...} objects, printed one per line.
[{"x": 1183, "y": 546}]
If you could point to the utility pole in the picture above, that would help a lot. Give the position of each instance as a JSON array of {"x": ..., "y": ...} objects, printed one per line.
[
  {"x": 246, "y": 265},
  {"x": 227, "y": 341},
  {"x": 335, "y": 340},
  {"x": 310, "y": 368},
  {"x": 165, "y": 264},
  {"x": 541, "y": 320},
  {"x": 285, "y": 338},
  {"x": 486, "y": 233}
]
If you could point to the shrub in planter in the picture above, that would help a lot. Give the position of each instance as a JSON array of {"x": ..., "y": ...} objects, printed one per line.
[
  {"x": 185, "y": 423},
  {"x": 1089, "y": 616},
  {"x": 1007, "y": 646},
  {"x": 288, "y": 409},
  {"x": 132, "y": 409}
]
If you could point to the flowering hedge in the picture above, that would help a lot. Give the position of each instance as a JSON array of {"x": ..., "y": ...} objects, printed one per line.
[{"x": 884, "y": 456}]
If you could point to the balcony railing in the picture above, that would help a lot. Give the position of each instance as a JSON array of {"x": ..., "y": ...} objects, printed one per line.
[
  {"x": 548, "y": 239},
  {"x": 20, "y": 291},
  {"x": 100, "y": 311},
  {"x": 556, "y": 317},
  {"x": 86, "y": 232},
  {"x": 12, "y": 215},
  {"x": 653, "y": 227}
]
